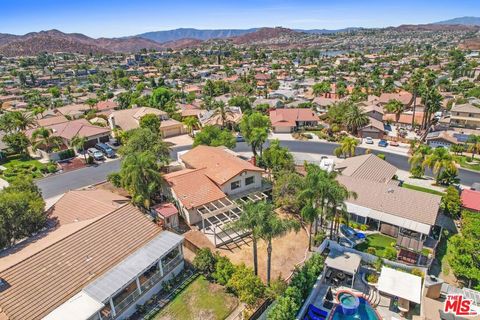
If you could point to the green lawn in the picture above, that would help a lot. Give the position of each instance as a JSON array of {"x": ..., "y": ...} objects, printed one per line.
[
  {"x": 17, "y": 166},
  {"x": 465, "y": 162},
  {"x": 378, "y": 241},
  {"x": 200, "y": 300},
  {"x": 422, "y": 189}
]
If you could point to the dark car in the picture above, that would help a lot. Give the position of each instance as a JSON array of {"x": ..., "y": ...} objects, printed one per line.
[
  {"x": 240, "y": 138},
  {"x": 383, "y": 143},
  {"x": 106, "y": 150}
]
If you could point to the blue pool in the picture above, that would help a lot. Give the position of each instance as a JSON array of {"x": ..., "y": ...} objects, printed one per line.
[{"x": 363, "y": 312}]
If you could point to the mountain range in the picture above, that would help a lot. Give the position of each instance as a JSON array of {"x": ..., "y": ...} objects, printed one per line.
[{"x": 57, "y": 41}]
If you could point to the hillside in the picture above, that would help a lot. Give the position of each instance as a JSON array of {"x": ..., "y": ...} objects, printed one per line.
[
  {"x": 190, "y": 33},
  {"x": 466, "y": 21},
  {"x": 470, "y": 44},
  {"x": 435, "y": 27},
  {"x": 182, "y": 44},
  {"x": 57, "y": 41}
]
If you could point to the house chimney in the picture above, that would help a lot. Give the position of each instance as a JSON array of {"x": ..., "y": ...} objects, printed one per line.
[{"x": 112, "y": 122}]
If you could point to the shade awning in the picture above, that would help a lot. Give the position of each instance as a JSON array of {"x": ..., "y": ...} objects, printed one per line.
[
  {"x": 344, "y": 261},
  {"x": 400, "y": 284}
]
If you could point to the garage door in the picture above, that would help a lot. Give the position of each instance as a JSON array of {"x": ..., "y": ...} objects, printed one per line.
[{"x": 170, "y": 132}]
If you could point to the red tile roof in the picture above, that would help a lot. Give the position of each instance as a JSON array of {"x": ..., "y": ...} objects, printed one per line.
[
  {"x": 288, "y": 117},
  {"x": 471, "y": 199},
  {"x": 166, "y": 209}
]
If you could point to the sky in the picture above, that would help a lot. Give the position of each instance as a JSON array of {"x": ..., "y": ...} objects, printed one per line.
[{"x": 108, "y": 18}]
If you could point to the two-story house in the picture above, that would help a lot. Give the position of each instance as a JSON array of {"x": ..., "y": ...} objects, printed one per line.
[
  {"x": 208, "y": 189},
  {"x": 465, "y": 116},
  {"x": 289, "y": 120}
]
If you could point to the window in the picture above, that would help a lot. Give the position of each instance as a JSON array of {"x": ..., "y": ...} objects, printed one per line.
[
  {"x": 235, "y": 185},
  {"x": 249, "y": 180}
]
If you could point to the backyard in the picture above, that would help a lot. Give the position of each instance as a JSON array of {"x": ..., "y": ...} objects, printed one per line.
[
  {"x": 16, "y": 165},
  {"x": 381, "y": 243},
  {"x": 200, "y": 300},
  {"x": 467, "y": 163}
]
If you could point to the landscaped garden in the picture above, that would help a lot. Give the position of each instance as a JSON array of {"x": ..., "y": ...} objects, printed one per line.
[
  {"x": 379, "y": 245},
  {"x": 466, "y": 162},
  {"x": 17, "y": 165},
  {"x": 200, "y": 300}
]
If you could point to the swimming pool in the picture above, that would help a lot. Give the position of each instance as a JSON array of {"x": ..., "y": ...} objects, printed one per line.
[{"x": 364, "y": 310}]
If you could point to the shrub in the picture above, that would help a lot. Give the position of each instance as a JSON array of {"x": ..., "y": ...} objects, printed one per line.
[
  {"x": 67, "y": 154},
  {"x": 390, "y": 253},
  {"x": 246, "y": 285},
  {"x": 417, "y": 272},
  {"x": 381, "y": 156},
  {"x": 90, "y": 160},
  {"x": 372, "y": 278},
  {"x": 224, "y": 269},
  {"x": 318, "y": 239},
  {"x": 363, "y": 227},
  {"x": 371, "y": 250},
  {"x": 205, "y": 262},
  {"x": 51, "y": 168},
  {"x": 115, "y": 179}
]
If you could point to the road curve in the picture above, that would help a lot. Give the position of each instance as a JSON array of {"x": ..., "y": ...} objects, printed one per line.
[{"x": 58, "y": 184}]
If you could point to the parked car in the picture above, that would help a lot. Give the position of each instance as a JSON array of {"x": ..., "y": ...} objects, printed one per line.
[
  {"x": 368, "y": 140},
  {"x": 95, "y": 154},
  {"x": 394, "y": 143},
  {"x": 240, "y": 138},
  {"x": 383, "y": 143},
  {"x": 106, "y": 150}
]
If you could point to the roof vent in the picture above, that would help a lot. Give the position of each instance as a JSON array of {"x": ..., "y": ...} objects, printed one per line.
[
  {"x": 390, "y": 190},
  {"x": 88, "y": 258},
  {"x": 3, "y": 284}
]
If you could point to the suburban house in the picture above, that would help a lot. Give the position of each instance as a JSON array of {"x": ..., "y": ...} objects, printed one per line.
[
  {"x": 67, "y": 130},
  {"x": 209, "y": 187},
  {"x": 129, "y": 119},
  {"x": 73, "y": 111},
  {"x": 410, "y": 216},
  {"x": 465, "y": 116},
  {"x": 233, "y": 115},
  {"x": 103, "y": 259},
  {"x": 440, "y": 139},
  {"x": 290, "y": 120}
]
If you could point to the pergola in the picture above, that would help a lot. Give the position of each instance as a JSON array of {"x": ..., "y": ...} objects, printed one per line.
[
  {"x": 346, "y": 262},
  {"x": 219, "y": 213}
]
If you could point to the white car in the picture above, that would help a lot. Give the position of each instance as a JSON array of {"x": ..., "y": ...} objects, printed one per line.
[
  {"x": 368, "y": 140},
  {"x": 95, "y": 154}
]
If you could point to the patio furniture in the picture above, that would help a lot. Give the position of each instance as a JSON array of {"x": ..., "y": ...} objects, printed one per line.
[{"x": 403, "y": 305}]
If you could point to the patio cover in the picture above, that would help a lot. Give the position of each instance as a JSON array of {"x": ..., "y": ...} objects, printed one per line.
[
  {"x": 400, "y": 284},
  {"x": 344, "y": 261},
  {"x": 80, "y": 306}
]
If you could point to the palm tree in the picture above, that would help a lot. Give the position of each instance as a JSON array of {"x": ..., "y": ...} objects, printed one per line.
[
  {"x": 222, "y": 111},
  {"x": 191, "y": 123},
  {"x": 395, "y": 106},
  {"x": 79, "y": 142},
  {"x": 44, "y": 137},
  {"x": 38, "y": 111},
  {"x": 249, "y": 221},
  {"x": 347, "y": 147},
  {"x": 355, "y": 118},
  {"x": 415, "y": 85},
  {"x": 473, "y": 145},
  {"x": 141, "y": 177},
  {"x": 309, "y": 214},
  {"x": 271, "y": 226},
  {"x": 336, "y": 197},
  {"x": 440, "y": 159}
]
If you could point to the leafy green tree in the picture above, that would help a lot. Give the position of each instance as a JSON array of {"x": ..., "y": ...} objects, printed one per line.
[
  {"x": 18, "y": 142},
  {"x": 224, "y": 269},
  {"x": 151, "y": 121},
  {"x": 419, "y": 155},
  {"x": 161, "y": 96},
  {"x": 214, "y": 136},
  {"x": 347, "y": 147},
  {"x": 254, "y": 128},
  {"x": 143, "y": 139},
  {"x": 204, "y": 262},
  {"x": 240, "y": 101},
  {"x": 21, "y": 211},
  {"x": 246, "y": 285},
  {"x": 140, "y": 176},
  {"x": 321, "y": 88},
  {"x": 223, "y": 112},
  {"x": 451, "y": 202},
  {"x": 271, "y": 226},
  {"x": 277, "y": 158},
  {"x": 191, "y": 123},
  {"x": 286, "y": 186},
  {"x": 473, "y": 145}
]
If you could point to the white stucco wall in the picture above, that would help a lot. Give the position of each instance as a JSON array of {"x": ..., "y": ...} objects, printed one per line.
[{"x": 226, "y": 187}]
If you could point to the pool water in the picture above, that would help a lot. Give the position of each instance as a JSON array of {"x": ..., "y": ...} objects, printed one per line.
[
  {"x": 363, "y": 312},
  {"x": 347, "y": 299}
]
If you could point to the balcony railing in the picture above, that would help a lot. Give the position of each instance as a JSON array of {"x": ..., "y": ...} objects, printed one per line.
[{"x": 147, "y": 285}]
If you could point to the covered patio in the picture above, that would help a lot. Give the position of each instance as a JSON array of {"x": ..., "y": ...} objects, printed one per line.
[
  {"x": 342, "y": 267},
  {"x": 402, "y": 285}
]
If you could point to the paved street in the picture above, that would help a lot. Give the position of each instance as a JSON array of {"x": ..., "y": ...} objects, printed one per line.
[{"x": 59, "y": 184}]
